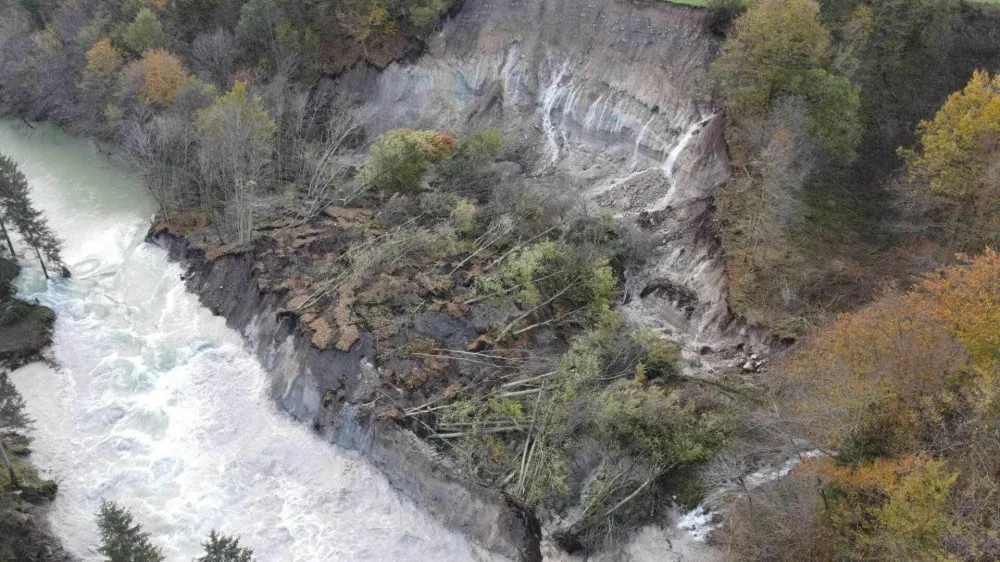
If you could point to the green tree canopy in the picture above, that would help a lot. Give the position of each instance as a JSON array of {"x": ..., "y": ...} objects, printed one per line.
[
  {"x": 145, "y": 33},
  {"x": 769, "y": 54},
  {"x": 257, "y": 30},
  {"x": 13, "y": 418},
  {"x": 778, "y": 49}
]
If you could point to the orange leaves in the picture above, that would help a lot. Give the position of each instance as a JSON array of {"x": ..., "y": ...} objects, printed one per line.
[
  {"x": 164, "y": 77},
  {"x": 906, "y": 391},
  {"x": 966, "y": 300},
  {"x": 884, "y": 359},
  {"x": 889, "y": 364}
]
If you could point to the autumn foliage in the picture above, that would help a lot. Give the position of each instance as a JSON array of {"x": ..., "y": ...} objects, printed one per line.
[
  {"x": 104, "y": 58},
  {"x": 904, "y": 395},
  {"x": 164, "y": 77},
  {"x": 956, "y": 164}
]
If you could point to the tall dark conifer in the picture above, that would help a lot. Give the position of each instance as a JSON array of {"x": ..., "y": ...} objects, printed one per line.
[
  {"x": 17, "y": 213},
  {"x": 14, "y": 421},
  {"x": 123, "y": 540}
]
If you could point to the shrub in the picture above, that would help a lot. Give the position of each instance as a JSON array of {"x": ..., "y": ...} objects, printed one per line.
[
  {"x": 552, "y": 279},
  {"x": 399, "y": 158}
]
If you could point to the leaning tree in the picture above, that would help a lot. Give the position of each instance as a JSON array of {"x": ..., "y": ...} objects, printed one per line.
[{"x": 18, "y": 214}]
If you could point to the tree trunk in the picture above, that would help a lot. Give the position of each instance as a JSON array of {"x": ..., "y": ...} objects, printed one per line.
[
  {"x": 41, "y": 261},
  {"x": 10, "y": 467},
  {"x": 6, "y": 236}
]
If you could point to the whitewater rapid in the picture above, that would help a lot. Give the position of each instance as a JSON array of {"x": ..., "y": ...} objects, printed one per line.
[{"x": 156, "y": 404}]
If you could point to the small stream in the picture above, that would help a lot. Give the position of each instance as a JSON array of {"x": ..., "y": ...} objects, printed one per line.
[{"x": 156, "y": 403}]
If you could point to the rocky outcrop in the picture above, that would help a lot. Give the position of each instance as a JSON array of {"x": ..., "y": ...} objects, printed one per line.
[
  {"x": 604, "y": 103},
  {"x": 25, "y": 328},
  {"x": 327, "y": 389}
]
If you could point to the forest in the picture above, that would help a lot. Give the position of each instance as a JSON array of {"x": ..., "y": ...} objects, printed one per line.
[{"x": 859, "y": 225}]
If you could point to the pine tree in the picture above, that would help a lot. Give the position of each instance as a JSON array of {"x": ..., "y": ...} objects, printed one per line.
[
  {"x": 222, "y": 548},
  {"x": 17, "y": 211},
  {"x": 9, "y": 185},
  {"x": 121, "y": 539},
  {"x": 13, "y": 420}
]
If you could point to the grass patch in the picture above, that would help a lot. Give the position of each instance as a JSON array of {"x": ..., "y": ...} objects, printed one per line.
[
  {"x": 33, "y": 488},
  {"x": 704, "y": 3}
]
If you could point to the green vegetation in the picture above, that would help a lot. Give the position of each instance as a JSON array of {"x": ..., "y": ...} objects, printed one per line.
[
  {"x": 489, "y": 302},
  {"x": 221, "y": 548},
  {"x": 616, "y": 389},
  {"x": 953, "y": 169},
  {"x": 144, "y": 34},
  {"x": 819, "y": 98},
  {"x": 700, "y": 3},
  {"x": 827, "y": 203},
  {"x": 123, "y": 540},
  {"x": 579, "y": 290},
  {"x": 399, "y": 158},
  {"x": 19, "y": 481}
]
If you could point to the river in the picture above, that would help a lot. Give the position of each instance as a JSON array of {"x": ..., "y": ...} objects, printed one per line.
[{"x": 156, "y": 404}]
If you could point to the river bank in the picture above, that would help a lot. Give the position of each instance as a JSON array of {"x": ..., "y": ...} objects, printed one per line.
[
  {"x": 333, "y": 391},
  {"x": 159, "y": 406},
  {"x": 25, "y": 332}
]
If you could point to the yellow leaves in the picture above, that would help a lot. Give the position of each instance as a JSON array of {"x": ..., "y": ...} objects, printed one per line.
[
  {"x": 961, "y": 138},
  {"x": 236, "y": 114},
  {"x": 164, "y": 77},
  {"x": 957, "y": 165},
  {"x": 432, "y": 144},
  {"x": 859, "y": 26},
  {"x": 887, "y": 368},
  {"x": 914, "y": 372},
  {"x": 104, "y": 58},
  {"x": 893, "y": 509}
]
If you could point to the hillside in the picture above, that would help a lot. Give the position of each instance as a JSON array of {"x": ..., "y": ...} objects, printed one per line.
[{"x": 602, "y": 259}]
